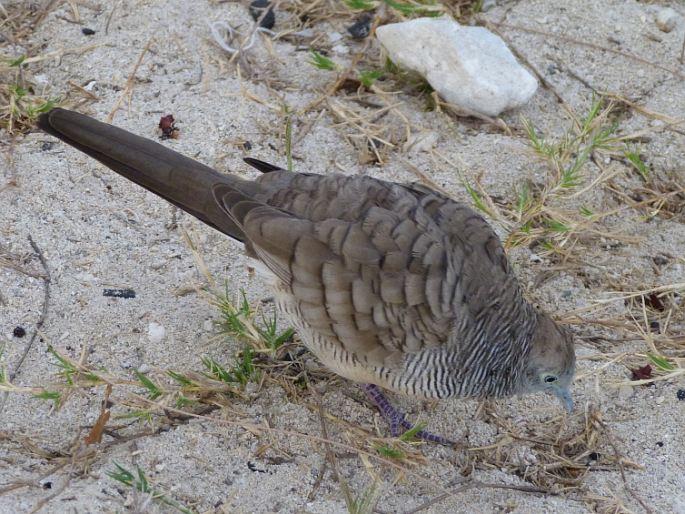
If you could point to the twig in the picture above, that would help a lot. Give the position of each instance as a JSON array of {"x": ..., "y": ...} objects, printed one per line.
[
  {"x": 256, "y": 428},
  {"x": 41, "y": 318},
  {"x": 109, "y": 18},
  {"x": 330, "y": 455},
  {"x": 129, "y": 83},
  {"x": 628, "y": 489}
]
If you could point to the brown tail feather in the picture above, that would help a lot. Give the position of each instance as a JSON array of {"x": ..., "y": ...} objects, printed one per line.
[{"x": 180, "y": 180}]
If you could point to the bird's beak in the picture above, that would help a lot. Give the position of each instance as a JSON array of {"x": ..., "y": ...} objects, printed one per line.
[{"x": 564, "y": 396}]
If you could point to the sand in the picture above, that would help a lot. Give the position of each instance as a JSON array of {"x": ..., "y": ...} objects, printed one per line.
[{"x": 97, "y": 231}]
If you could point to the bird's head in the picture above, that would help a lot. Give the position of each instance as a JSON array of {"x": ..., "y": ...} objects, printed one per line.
[{"x": 551, "y": 361}]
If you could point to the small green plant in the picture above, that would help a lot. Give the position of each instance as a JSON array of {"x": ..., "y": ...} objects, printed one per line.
[
  {"x": 566, "y": 160},
  {"x": 633, "y": 157},
  {"x": 390, "y": 452},
  {"x": 476, "y": 198},
  {"x": 217, "y": 371},
  {"x": 321, "y": 61},
  {"x": 584, "y": 211},
  {"x": 428, "y": 8},
  {"x": 242, "y": 372},
  {"x": 368, "y": 77},
  {"x": 139, "y": 482},
  {"x": 660, "y": 362},
  {"x": 238, "y": 320},
  {"x": 69, "y": 369},
  {"x": 410, "y": 435},
  {"x": 73, "y": 375},
  {"x": 52, "y": 396},
  {"x": 19, "y": 106},
  {"x": 360, "y": 5},
  {"x": 410, "y": 8},
  {"x": 153, "y": 390}
]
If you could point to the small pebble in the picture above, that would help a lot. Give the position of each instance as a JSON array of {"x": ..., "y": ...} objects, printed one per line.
[
  {"x": 659, "y": 400},
  {"x": 680, "y": 394},
  {"x": 660, "y": 260},
  {"x": 535, "y": 258},
  {"x": 144, "y": 368},
  {"x": 119, "y": 293},
  {"x": 19, "y": 332},
  {"x": 88, "y": 32},
  {"x": 158, "y": 264},
  {"x": 361, "y": 27},
  {"x": 666, "y": 19},
  {"x": 155, "y": 332},
  {"x": 208, "y": 325},
  {"x": 257, "y": 8}
]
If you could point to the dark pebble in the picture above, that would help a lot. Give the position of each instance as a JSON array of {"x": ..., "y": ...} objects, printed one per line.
[
  {"x": 88, "y": 32},
  {"x": 252, "y": 467},
  {"x": 361, "y": 28},
  {"x": 257, "y": 8},
  {"x": 19, "y": 332},
  {"x": 660, "y": 444},
  {"x": 660, "y": 260},
  {"x": 119, "y": 293},
  {"x": 680, "y": 394},
  {"x": 47, "y": 145},
  {"x": 595, "y": 456},
  {"x": 654, "y": 325}
]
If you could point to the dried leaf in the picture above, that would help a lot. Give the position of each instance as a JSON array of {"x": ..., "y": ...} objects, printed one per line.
[{"x": 643, "y": 373}]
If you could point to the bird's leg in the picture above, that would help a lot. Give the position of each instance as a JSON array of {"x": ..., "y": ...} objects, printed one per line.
[{"x": 396, "y": 419}]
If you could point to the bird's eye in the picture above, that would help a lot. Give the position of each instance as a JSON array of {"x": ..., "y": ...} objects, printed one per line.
[{"x": 550, "y": 378}]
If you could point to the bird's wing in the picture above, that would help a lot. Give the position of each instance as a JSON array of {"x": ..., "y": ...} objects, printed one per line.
[{"x": 368, "y": 267}]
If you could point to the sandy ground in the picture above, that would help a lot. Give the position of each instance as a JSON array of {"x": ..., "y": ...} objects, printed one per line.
[{"x": 97, "y": 231}]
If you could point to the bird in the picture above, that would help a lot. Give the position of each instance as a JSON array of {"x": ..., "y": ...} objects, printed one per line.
[{"x": 395, "y": 286}]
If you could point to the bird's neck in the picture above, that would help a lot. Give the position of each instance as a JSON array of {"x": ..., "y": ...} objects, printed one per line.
[{"x": 493, "y": 365}]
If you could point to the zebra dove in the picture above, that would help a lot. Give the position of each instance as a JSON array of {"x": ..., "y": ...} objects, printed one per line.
[{"x": 395, "y": 286}]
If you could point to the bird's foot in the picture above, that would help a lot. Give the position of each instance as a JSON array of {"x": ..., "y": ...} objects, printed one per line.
[{"x": 396, "y": 419}]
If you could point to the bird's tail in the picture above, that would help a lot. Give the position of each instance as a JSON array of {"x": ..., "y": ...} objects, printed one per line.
[{"x": 180, "y": 180}]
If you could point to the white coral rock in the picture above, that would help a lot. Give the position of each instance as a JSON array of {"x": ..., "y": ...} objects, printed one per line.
[{"x": 469, "y": 67}]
